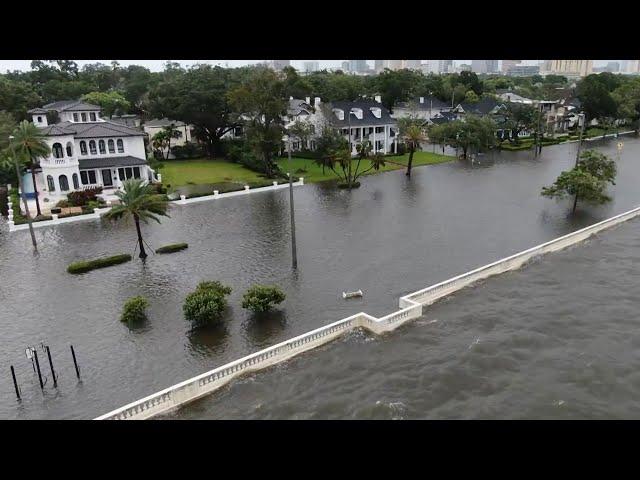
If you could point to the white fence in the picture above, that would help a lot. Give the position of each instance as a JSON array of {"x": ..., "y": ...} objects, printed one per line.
[{"x": 410, "y": 308}]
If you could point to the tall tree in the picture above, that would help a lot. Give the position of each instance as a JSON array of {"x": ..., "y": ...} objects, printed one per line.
[
  {"x": 140, "y": 202},
  {"x": 413, "y": 133},
  {"x": 586, "y": 181},
  {"x": 17, "y": 96},
  {"x": 162, "y": 139},
  {"x": 198, "y": 97},
  {"x": 30, "y": 145},
  {"x": 261, "y": 100},
  {"x": 472, "y": 134},
  {"x": 111, "y": 102}
]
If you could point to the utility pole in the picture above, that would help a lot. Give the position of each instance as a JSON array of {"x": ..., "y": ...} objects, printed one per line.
[
  {"x": 581, "y": 122},
  {"x": 22, "y": 194},
  {"x": 294, "y": 255},
  {"x": 349, "y": 181}
]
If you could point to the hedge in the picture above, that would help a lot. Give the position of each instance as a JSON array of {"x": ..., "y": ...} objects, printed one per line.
[
  {"x": 174, "y": 247},
  {"x": 88, "y": 265}
]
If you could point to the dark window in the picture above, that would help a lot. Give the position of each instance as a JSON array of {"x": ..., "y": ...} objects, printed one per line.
[
  {"x": 102, "y": 147},
  {"x": 83, "y": 177},
  {"x": 129, "y": 172},
  {"x": 75, "y": 181},
  {"x": 83, "y": 147},
  {"x": 50, "y": 184},
  {"x": 75, "y": 117},
  {"x": 92, "y": 116},
  {"x": 112, "y": 147},
  {"x": 120, "y": 146},
  {"x": 64, "y": 183},
  {"x": 39, "y": 119},
  {"x": 69, "y": 150},
  {"x": 92, "y": 176},
  {"x": 121, "y": 174},
  {"x": 57, "y": 150},
  {"x": 92, "y": 147},
  {"x": 136, "y": 172},
  {"x": 84, "y": 117}
]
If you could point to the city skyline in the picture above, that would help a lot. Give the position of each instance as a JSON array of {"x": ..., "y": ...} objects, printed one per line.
[{"x": 158, "y": 65}]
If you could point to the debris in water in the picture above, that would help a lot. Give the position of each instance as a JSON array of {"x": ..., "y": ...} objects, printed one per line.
[{"x": 357, "y": 293}]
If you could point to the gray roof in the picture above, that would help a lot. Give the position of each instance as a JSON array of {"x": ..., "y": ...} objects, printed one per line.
[
  {"x": 368, "y": 118},
  {"x": 429, "y": 102},
  {"x": 163, "y": 122},
  {"x": 37, "y": 110},
  {"x": 105, "y": 162},
  {"x": 297, "y": 106},
  {"x": 71, "y": 106},
  {"x": 91, "y": 130},
  {"x": 483, "y": 107}
]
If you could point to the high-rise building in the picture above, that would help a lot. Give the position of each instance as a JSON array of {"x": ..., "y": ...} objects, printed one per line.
[
  {"x": 507, "y": 64},
  {"x": 484, "y": 66},
  {"x": 612, "y": 67},
  {"x": 568, "y": 68},
  {"x": 345, "y": 66},
  {"x": 309, "y": 67},
  {"x": 280, "y": 64},
  {"x": 358, "y": 66},
  {"x": 523, "y": 71},
  {"x": 442, "y": 66},
  {"x": 378, "y": 65},
  {"x": 413, "y": 64},
  {"x": 632, "y": 66}
]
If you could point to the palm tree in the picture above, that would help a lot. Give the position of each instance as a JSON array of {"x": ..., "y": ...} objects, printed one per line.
[
  {"x": 30, "y": 144},
  {"x": 140, "y": 202},
  {"x": 413, "y": 134}
]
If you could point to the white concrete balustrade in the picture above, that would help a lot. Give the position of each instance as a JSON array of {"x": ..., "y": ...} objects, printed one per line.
[{"x": 411, "y": 307}]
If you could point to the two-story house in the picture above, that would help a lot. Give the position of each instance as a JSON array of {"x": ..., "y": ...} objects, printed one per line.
[{"x": 87, "y": 150}]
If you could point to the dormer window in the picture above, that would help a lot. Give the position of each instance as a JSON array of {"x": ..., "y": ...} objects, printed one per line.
[
  {"x": 39, "y": 119},
  {"x": 75, "y": 117},
  {"x": 339, "y": 113},
  {"x": 377, "y": 112},
  {"x": 357, "y": 112},
  {"x": 84, "y": 117},
  {"x": 92, "y": 116}
]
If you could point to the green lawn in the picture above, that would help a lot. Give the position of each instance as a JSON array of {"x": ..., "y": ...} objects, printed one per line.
[{"x": 201, "y": 171}]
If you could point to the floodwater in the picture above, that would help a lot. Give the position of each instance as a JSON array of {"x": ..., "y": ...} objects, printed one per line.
[
  {"x": 558, "y": 339},
  {"x": 390, "y": 237}
]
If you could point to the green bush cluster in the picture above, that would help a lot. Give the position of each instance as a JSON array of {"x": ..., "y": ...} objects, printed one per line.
[
  {"x": 206, "y": 304},
  {"x": 88, "y": 265},
  {"x": 262, "y": 298},
  {"x": 174, "y": 247},
  {"x": 134, "y": 310}
]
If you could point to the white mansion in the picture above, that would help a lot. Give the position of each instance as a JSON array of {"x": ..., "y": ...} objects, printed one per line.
[{"x": 87, "y": 150}]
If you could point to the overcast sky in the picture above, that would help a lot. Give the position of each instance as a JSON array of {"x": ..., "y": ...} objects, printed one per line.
[{"x": 157, "y": 65}]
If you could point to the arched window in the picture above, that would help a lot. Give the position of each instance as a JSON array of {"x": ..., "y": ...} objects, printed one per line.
[
  {"x": 102, "y": 148},
  {"x": 76, "y": 185},
  {"x": 50, "y": 184},
  {"x": 57, "y": 150},
  {"x": 112, "y": 146},
  {"x": 83, "y": 147},
  {"x": 92, "y": 116},
  {"x": 39, "y": 119},
  {"x": 120, "y": 145},
  {"x": 92, "y": 147},
  {"x": 69, "y": 149},
  {"x": 64, "y": 183}
]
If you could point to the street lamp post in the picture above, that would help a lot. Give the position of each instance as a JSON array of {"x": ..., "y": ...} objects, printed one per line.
[
  {"x": 581, "y": 123},
  {"x": 294, "y": 254},
  {"x": 22, "y": 193},
  {"x": 349, "y": 169}
]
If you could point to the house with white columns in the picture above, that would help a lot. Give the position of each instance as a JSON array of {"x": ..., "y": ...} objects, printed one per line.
[
  {"x": 368, "y": 120},
  {"x": 87, "y": 150}
]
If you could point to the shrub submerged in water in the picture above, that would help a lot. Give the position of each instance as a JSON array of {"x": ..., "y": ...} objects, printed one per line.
[
  {"x": 88, "y": 265},
  {"x": 174, "y": 247},
  {"x": 206, "y": 303},
  {"x": 134, "y": 309},
  {"x": 262, "y": 298}
]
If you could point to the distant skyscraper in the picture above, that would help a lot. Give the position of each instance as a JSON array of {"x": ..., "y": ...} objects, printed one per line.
[
  {"x": 568, "y": 68},
  {"x": 444, "y": 66},
  {"x": 394, "y": 64},
  {"x": 633, "y": 66},
  {"x": 612, "y": 67},
  {"x": 309, "y": 67},
  {"x": 280, "y": 64},
  {"x": 413, "y": 64},
  {"x": 358, "y": 66},
  {"x": 484, "y": 66},
  {"x": 378, "y": 65},
  {"x": 507, "y": 64},
  {"x": 345, "y": 66}
]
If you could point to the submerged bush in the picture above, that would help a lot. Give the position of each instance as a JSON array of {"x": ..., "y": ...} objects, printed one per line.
[
  {"x": 206, "y": 303},
  {"x": 134, "y": 309},
  {"x": 88, "y": 265},
  {"x": 174, "y": 247},
  {"x": 262, "y": 298}
]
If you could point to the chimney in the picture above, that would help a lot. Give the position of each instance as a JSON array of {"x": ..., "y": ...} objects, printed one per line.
[
  {"x": 421, "y": 99},
  {"x": 378, "y": 98},
  {"x": 291, "y": 98},
  {"x": 308, "y": 100},
  {"x": 316, "y": 102}
]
